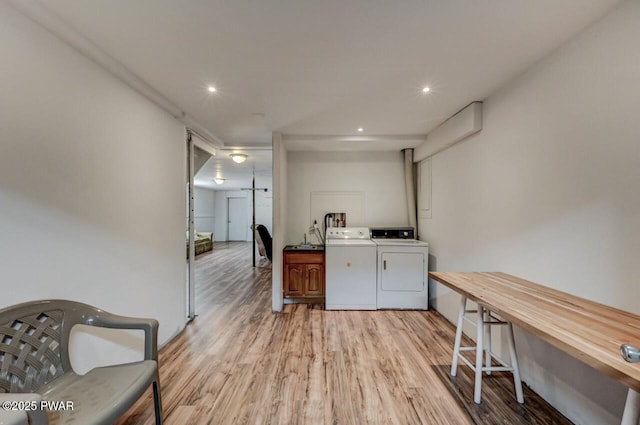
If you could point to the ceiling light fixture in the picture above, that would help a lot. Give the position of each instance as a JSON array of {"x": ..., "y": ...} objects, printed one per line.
[
  {"x": 238, "y": 157},
  {"x": 212, "y": 89},
  {"x": 426, "y": 90},
  {"x": 218, "y": 180},
  {"x": 360, "y": 129}
]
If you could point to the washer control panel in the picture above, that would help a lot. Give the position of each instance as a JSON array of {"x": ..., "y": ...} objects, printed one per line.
[{"x": 348, "y": 233}]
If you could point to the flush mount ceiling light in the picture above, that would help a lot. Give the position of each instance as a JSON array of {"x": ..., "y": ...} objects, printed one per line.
[
  {"x": 238, "y": 157},
  {"x": 211, "y": 89},
  {"x": 426, "y": 89},
  {"x": 360, "y": 129},
  {"x": 218, "y": 180}
]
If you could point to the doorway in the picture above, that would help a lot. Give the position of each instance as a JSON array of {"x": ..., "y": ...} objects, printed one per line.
[
  {"x": 198, "y": 153},
  {"x": 237, "y": 220}
]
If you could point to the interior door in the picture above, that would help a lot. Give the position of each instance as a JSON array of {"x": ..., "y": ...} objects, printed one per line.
[{"x": 237, "y": 219}]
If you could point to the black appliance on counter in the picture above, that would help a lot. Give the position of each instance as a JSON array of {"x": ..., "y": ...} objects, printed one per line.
[{"x": 392, "y": 233}]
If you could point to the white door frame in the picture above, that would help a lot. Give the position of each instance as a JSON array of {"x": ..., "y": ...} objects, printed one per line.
[{"x": 191, "y": 283}]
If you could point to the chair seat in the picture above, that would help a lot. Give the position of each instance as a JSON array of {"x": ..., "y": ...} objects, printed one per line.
[
  {"x": 102, "y": 395},
  {"x": 13, "y": 417}
]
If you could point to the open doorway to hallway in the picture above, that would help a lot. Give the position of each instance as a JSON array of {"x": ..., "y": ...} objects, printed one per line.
[
  {"x": 224, "y": 205},
  {"x": 198, "y": 153}
]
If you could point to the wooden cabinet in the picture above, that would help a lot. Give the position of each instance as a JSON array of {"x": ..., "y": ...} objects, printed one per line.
[{"x": 303, "y": 274}]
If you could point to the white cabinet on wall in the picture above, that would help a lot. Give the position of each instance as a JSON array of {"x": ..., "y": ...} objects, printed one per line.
[{"x": 424, "y": 189}]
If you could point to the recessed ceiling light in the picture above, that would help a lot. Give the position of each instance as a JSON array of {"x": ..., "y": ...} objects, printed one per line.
[
  {"x": 426, "y": 90},
  {"x": 212, "y": 89},
  {"x": 219, "y": 180},
  {"x": 238, "y": 157},
  {"x": 360, "y": 129}
]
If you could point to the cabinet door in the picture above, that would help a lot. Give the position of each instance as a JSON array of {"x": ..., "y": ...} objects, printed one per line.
[
  {"x": 294, "y": 277},
  {"x": 315, "y": 280}
]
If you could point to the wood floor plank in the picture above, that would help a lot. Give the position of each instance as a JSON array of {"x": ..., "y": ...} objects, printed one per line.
[{"x": 239, "y": 363}]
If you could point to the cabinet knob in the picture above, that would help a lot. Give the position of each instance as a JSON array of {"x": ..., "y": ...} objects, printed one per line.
[{"x": 348, "y": 264}]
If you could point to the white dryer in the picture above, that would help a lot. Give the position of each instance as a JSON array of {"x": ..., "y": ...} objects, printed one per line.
[
  {"x": 403, "y": 267},
  {"x": 350, "y": 269}
]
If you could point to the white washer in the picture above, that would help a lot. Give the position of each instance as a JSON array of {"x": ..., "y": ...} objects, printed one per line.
[
  {"x": 350, "y": 267},
  {"x": 403, "y": 266}
]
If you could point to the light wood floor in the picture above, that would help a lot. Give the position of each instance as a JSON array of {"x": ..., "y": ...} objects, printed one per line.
[{"x": 239, "y": 363}]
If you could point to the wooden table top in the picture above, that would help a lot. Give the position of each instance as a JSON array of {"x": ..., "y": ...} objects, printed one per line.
[{"x": 587, "y": 330}]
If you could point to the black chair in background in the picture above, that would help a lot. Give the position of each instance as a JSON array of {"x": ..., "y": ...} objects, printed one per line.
[{"x": 263, "y": 239}]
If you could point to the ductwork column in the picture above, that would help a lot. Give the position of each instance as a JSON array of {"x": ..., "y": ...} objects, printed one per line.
[{"x": 410, "y": 187}]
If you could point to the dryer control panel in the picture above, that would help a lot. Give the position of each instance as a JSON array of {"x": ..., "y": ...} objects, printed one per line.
[{"x": 392, "y": 233}]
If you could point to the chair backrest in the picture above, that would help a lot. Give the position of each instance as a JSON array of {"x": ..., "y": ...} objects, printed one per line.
[
  {"x": 34, "y": 341},
  {"x": 266, "y": 240},
  {"x": 30, "y": 350},
  {"x": 261, "y": 249}
]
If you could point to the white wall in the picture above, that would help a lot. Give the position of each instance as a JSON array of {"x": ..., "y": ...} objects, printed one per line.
[
  {"x": 220, "y": 232},
  {"x": 264, "y": 208},
  {"x": 204, "y": 209},
  {"x": 379, "y": 175},
  {"x": 548, "y": 191},
  {"x": 92, "y": 190}
]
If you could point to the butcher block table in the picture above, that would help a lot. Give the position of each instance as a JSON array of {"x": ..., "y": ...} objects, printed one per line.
[{"x": 589, "y": 331}]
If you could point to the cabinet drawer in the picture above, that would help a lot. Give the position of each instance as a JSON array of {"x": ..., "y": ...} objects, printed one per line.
[{"x": 304, "y": 257}]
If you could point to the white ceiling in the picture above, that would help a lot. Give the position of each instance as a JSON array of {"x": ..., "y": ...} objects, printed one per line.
[
  {"x": 237, "y": 176},
  {"x": 317, "y": 70}
]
